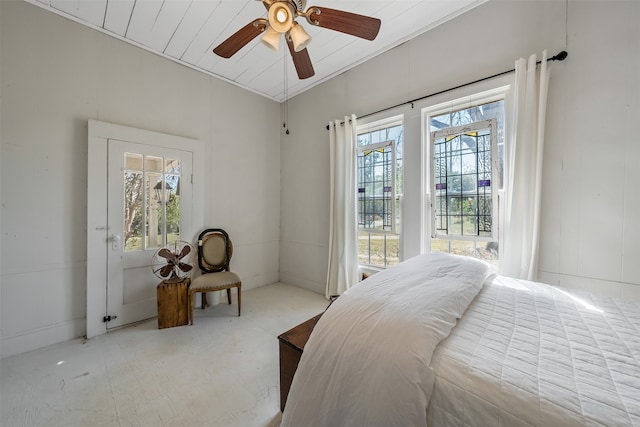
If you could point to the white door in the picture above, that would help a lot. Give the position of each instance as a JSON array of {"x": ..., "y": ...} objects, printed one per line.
[
  {"x": 119, "y": 281},
  {"x": 149, "y": 201}
]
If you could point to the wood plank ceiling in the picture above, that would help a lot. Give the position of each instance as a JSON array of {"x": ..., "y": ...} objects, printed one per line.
[{"x": 186, "y": 31}]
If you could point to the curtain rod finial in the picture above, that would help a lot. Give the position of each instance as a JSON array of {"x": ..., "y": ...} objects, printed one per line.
[{"x": 560, "y": 56}]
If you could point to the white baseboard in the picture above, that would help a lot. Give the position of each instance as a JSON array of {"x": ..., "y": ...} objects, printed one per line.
[
  {"x": 302, "y": 282},
  {"x": 42, "y": 337}
]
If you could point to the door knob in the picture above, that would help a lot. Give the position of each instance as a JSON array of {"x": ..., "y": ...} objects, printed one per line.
[{"x": 115, "y": 242}]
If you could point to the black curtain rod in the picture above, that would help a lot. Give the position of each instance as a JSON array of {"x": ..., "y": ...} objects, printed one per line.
[{"x": 561, "y": 56}]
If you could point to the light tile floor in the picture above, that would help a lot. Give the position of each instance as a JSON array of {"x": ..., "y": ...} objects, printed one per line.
[{"x": 222, "y": 371}]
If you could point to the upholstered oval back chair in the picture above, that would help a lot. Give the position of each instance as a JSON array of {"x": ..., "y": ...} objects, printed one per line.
[{"x": 214, "y": 255}]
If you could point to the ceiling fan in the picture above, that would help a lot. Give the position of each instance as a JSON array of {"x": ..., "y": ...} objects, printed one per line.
[{"x": 281, "y": 20}]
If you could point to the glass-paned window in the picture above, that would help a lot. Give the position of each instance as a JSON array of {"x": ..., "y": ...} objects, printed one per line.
[
  {"x": 466, "y": 166},
  {"x": 379, "y": 180},
  {"x": 376, "y": 192},
  {"x": 484, "y": 111},
  {"x": 462, "y": 178}
]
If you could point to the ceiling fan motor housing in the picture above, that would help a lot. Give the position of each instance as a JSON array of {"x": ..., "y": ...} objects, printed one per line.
[{"x": 300, "y": 5}]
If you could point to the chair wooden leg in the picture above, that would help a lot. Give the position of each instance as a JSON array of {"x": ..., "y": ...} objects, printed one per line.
[
  {"x": 229, "y": 295},
  {"x": 190, "y": 308},
  {"x": 239, "y": 298},
  {"x": 204, "y": 300}
]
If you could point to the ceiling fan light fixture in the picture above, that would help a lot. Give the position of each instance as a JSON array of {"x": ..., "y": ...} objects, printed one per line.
[
  {"x": 271, "y": 38},
  {"x": 281, "y": 16},
  {"x": 299, "y": 37}
]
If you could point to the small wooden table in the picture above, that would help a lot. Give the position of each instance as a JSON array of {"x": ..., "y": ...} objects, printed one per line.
[
  {"x": 172, "y": 302},
  {"x": 291, "y": 347}
]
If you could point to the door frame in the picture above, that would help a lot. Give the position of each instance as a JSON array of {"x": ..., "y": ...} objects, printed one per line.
[{"x": 97, "y": 181}]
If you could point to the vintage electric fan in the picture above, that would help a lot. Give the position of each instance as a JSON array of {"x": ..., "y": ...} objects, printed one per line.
[{"x": 173, "y": 261}]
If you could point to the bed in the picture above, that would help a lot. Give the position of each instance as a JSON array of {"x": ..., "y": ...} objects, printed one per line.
[{"x": 441, "y": 340}]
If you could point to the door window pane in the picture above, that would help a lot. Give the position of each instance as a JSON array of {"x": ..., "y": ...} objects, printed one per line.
[
  {"x": 154, "y": 217},
  {"x": 133, "y": 199},
  {"x": 172, "y": 166},
  {"x": 133, "y": 161},
  {"x": 152, "y": 201},
  {"x": 152, "y": 163},
  {"x": 172, "y": 208}
]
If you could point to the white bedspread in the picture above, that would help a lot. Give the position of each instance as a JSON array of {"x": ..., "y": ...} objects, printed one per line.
[
  {"x": 528, "y": 354},
  {"x": 367, "y": 362}
]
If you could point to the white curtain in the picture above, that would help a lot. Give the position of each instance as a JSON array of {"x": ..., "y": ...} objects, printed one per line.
[
  {"x": 523, "y": 180},
  {"x": 343, "y": 239}
]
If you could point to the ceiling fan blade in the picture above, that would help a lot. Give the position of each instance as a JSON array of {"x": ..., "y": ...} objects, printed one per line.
[
  {"x": 301, "y": 60},
  {"x": 240, "y": 38},
  {"x": 362, "y": 26}
]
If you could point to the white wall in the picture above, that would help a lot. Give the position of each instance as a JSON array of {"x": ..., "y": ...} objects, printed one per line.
[
  {"x": 591, "y": 209},
  {"x": 56, "y": 75}
]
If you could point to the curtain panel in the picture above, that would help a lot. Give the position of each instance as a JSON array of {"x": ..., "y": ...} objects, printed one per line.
[
  {"x": 343, "y": 237},
  {"x": 523, "y": 181}
]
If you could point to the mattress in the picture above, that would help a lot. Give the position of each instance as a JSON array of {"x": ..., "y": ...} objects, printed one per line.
[
  {"x": 529, "y": 354},
  {"x": 367, "y": 361}
]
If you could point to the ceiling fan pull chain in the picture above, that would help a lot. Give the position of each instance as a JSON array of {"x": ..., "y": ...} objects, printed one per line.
[{"x": 286, "y": 91}]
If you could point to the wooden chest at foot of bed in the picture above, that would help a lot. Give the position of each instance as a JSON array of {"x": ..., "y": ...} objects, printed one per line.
[{"x": 291, "y": 347}]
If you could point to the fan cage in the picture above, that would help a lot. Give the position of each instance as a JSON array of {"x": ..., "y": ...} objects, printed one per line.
[{"x": 158, "y": 262}]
